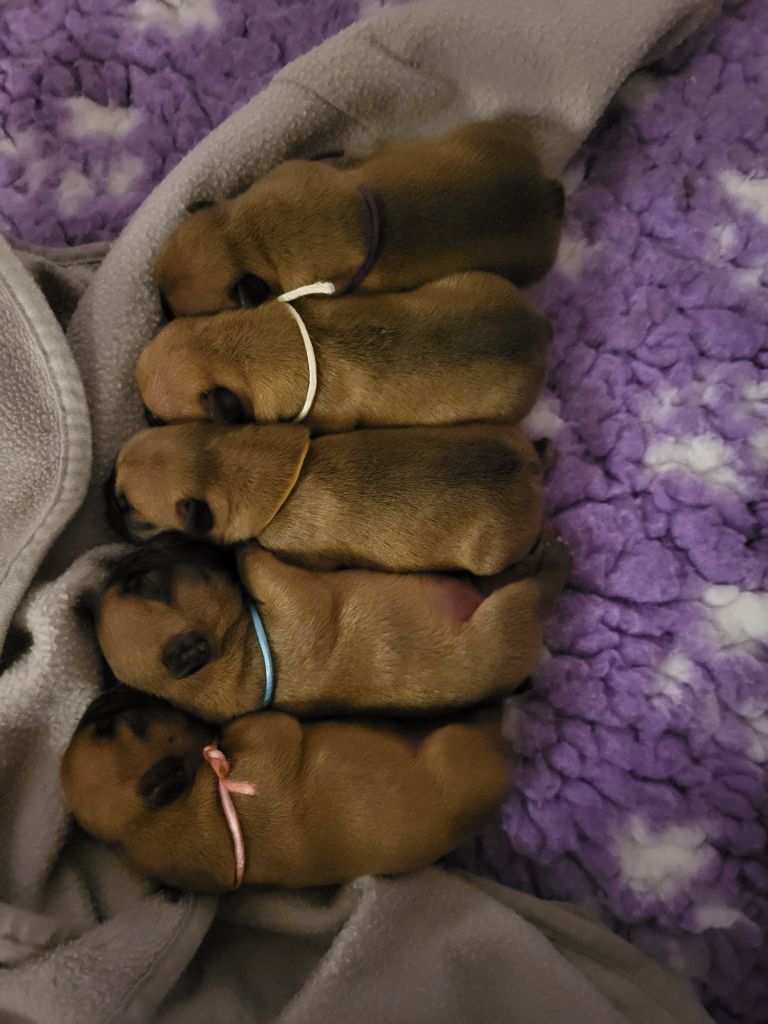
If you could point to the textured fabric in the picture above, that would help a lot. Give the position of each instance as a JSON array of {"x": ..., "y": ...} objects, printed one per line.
[
  {"x": 45, "y": 437},
  {"x": 420, "y": 73}
]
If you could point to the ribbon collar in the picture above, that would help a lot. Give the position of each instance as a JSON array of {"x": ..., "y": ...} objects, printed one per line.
[
  {"x": 374, "y": 225},
  {"x": 328, "y": 288},
  {"x": 374, "y": 241},
  {"x": 221, "y": 768},
  {"x": 269, "y": 668}
]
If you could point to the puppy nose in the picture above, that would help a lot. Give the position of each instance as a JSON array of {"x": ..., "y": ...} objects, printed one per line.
[
  {"x": 186, "y": 654},
  {"x": 164, "y": 782}
]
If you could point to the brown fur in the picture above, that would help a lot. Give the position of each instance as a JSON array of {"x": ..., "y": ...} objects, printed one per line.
[
  {"x": 175, "y": 624},
  {"x": 335, "y": 800},
  {"x": 469, "y": 347},
  {"x": 473, "y": 199},
  {"x": 405, "y": 500}
]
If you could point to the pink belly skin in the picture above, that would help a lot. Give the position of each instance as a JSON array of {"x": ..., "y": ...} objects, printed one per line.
[{"x": 450, "y": 597}]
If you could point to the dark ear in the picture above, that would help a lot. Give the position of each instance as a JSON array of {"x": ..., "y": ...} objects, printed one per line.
[
  {"x": 164, "y": 782},
  {"x": 250, "y": 291},
  {"x": 196, "y": 516},
  {"x": 223, "y": 406},
  {"x": 185, "y": 654},
  {"x": 154, "y": 584}
]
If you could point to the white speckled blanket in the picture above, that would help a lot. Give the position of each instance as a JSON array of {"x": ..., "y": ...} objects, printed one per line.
[{"x": 641, "y": 786}]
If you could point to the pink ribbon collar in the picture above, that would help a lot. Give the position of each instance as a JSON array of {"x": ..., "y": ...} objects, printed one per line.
[{"x": 218, "y": 761}]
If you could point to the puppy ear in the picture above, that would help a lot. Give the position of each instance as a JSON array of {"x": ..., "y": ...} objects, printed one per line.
[
  {"x": 186, "y": 654},
  {"x": 223, "y": 406},
  {"x": 196, "y": 516},
  {"x": 153, "y": 584}
]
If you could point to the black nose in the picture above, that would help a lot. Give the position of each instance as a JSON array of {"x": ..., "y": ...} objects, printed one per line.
[
  {"x": 223, "y": 406},
  {"x": 186, "y": 654},
  {"x": 196, "y": 516},
  {"x": 164, "y": 782}
]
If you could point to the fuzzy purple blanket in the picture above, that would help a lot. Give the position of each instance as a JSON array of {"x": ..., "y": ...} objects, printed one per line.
[{"x": 643, "y": 785}]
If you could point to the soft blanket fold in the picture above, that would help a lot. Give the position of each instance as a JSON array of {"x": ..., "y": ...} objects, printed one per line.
[{"x": 81, "y": 940}]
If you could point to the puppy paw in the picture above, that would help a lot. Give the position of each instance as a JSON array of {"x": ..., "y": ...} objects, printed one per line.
[
  {"x": 554, "y": 571},
  {"x": 556, "y": 558},
  {"x": 547, "y": 452}
]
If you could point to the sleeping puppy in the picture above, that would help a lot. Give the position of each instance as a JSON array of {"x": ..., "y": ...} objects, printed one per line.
[
  {"x": 404, "y": 500},
  {"x": 174, "y": 620},
  {"x": 333, "y": 800},
  {"x": 469, "y": 347},
  {"x": 415, "y": 211}
]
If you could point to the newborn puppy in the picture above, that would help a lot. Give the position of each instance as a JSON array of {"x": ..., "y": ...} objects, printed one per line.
[
  {"x": 174, "y": 620},
  {"x": 469, "y": 347},
  {"x": 474, "y": 199},
  {"x": 333, "y": 800},
  {"x": 404, "y": 500}
]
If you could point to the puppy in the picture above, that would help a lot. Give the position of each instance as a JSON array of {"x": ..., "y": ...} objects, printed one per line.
[
  {"x": 469, "y": 347},
  {"x": 333, "y": 800},
  {"x": 474, "y": 199},
  {"x": 174, "y": 620},
  {"x": 404, "y": 500}
]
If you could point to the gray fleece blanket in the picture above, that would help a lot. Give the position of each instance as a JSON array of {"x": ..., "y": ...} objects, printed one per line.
[{"x": 81, "y": 939}]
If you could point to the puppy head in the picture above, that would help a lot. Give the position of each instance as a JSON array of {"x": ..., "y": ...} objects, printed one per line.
[
  {"x": 241, "y": 251},
  {"x": 201, "y": 268},
  {"x": 166, "y": 619},
  {"x": 216, "y": 483},
  {"x": 131, "y": 756},
  {"x": 234, "y": 367},
  {"x": 189, "y": 373},
  {"x": 158, "y": 483}
]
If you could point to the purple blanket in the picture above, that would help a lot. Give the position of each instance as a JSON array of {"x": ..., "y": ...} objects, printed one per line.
[{"x": 642, "y": 790}]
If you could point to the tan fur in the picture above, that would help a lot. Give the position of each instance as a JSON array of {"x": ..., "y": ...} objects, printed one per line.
[
  {"x": 335, "y": 800},
  {"x": 341, "y": 642},
  {"x": 468, "y": 347},
  {"x": 473, "y": 199},
  {"x": 405, "y": 500}
]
